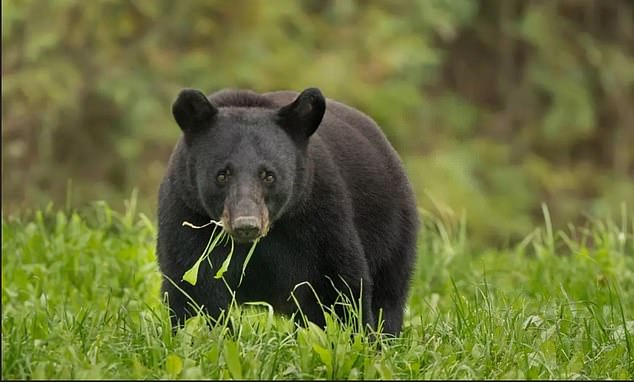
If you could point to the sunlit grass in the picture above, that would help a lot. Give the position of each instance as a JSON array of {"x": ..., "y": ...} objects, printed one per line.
[{"x": 80, "y": 299}]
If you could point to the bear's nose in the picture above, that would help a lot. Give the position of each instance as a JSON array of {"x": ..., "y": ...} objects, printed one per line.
[{"x": 246, "y": 228}]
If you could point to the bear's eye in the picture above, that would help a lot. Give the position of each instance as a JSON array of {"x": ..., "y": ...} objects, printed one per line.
[
  {"x": 267, "y": 177},
  {"x": 222, "y": 176}
]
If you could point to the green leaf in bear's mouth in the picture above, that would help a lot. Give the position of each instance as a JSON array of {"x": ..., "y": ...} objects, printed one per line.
[{"x": 191, "y": 275}]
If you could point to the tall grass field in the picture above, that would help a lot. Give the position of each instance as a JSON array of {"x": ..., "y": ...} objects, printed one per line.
[{"x": 81, "y": 300}]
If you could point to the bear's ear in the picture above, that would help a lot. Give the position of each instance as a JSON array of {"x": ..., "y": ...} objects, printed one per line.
[
  {"x": 192, "y": 110},
  {"x": 301, "y": 117}
]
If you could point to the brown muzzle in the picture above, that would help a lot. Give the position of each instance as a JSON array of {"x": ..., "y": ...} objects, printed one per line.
[{"x": 246, "y": 227}]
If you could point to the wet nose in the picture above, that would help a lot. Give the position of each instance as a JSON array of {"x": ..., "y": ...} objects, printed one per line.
[{"x": 246, "y": 228}]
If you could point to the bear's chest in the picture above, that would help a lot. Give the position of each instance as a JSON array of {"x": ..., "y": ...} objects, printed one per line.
[{"x": 275, "y": 268}]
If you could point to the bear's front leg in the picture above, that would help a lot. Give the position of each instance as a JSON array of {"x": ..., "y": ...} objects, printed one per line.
[
  {"x": 356, "y": 290},
  {"x": 348, "y": 300},
  {"x": 209, "y": 296},
  {"x": 342, "y": 283},
  {"x": 180, "y": 306},
  {"x": 178, "y": 248}
]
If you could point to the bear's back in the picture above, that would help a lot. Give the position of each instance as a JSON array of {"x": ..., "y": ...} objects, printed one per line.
[
  {"x": 383, "y": 200},
  {"x": 347, "y": 129}
]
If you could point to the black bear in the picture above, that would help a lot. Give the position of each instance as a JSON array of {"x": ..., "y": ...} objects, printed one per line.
[{"x": 314, "y": 179}]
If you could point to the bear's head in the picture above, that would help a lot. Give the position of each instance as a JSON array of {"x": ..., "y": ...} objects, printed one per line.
[{"x": 247, "y": 165}]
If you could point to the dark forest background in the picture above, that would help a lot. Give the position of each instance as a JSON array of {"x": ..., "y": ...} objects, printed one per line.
[{"x": 496, "y": 106}]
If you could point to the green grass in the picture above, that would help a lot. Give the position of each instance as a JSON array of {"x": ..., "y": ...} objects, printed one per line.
[{"x": 80, "y": 300}]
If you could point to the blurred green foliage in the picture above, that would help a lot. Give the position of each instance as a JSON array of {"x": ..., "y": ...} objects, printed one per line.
[{"x": 496, "y": 106}]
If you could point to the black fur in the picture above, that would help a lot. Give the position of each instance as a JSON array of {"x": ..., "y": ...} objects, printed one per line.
[{"x": 339, "y": 211}]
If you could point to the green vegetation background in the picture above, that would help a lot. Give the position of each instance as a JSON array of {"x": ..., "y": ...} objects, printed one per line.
[{"x": 496, "y": 106}]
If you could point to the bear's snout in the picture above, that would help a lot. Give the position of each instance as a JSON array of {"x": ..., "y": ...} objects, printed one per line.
[
  {"x": 246, "y": 228},
  {"x": 246, "y": 224}
]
